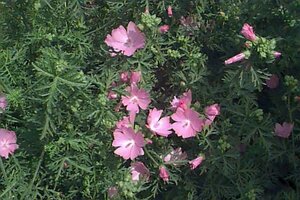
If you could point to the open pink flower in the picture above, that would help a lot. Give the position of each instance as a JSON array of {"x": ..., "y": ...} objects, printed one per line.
[
  {"x": 248, "y": 33},
  {"x": 3, "y": 102},
  {"x": 196, "y": 162},
  {"x": 183, "y": 102},
  {"x": 176, "y": 157},
  {"x": 8, "y": 141},
  {"x": 130, "y": 144},
  {"x": 163, "y": 173},
  {"x": 236, "y": 58},
  {"x": 211, "y": 112},
  {"x": 164, "y": 28},
  {"x": 138, "y": 98},
  {"x": 283, "y": 130},
  {"x": 139, "y": 171},
  {"x": 273, "y": 81},
  {"x": 187, "y": 123},
  {"x": 160, "y": 126},
  {"x": 126, "y": 41},
  {"x": 135, "y": 77}
]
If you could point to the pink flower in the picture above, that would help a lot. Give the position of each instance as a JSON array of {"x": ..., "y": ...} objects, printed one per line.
[
  {"x": 175, "y": 157},
  {"x": 112, "y": 192},
  {"x": 196, "y": 162},
  {"x": 183, "y": 102},
  {"x": 138, "y": 98},
  {"x": 187, "y": 123},
  {"x": 283, "y": 130},
  {"x": 139, "y": 171},
  {"x": 8, "y": 141},
  {"x": 135, "y": 77},
  {"x": 124, "y": 76},
  {"x": 112, "y": 95},
  {"x": 163, "y": 173},
  {"x": 130, "y": 144},
  {"x": 211, "y": 112},
  {"x": 273, "y": 81},
  {"x": 169, "y": 11},
  {"x": 160, "y": 126},
  {"x": 126, "y": 41},
  {"x": 125, "y": 122},
  {"x": 3, "y": 102},
  {"x": 236, "y": 58},
  {"x": 277, "y": 54},
  {"x": 247, "y": 32},
  {"x": 164, "y": 28}
]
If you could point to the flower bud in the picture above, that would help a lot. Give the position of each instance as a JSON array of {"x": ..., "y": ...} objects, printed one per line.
[
  {"x": 112, "y": 95},
  {"x": 169, "y": 11},
  {"x": 3, "y": 102},
  {"x": 163, "y": 173},
  {"x": 164, "y": 28},
  {"x": 124, "y": 76},
  {"x": 236, "y": 58},
  {"x": 248, "y": 33}
]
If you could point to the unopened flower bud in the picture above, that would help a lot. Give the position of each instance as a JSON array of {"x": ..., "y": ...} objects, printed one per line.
[
  {"x": 277, "y": 54},
  {"x": 3, "y": 102},
  {"x": 124, "y": 76},
  {"x": 112, "y": 95},
  {"x": 164, "y": 28},
  {"x": 170, "y": 11}
]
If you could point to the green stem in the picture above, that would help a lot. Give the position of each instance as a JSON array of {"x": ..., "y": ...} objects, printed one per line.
[
  {"x": 4, "y": 175},
  {"x": 35, "y": 175},
  {"x": 147, "y": 5},
  {"x": 17, "y": 162},
  {"x": 3, "y": 169},
  {"x": 291, "y": 120},
  {"x": 150, "y": 156}
]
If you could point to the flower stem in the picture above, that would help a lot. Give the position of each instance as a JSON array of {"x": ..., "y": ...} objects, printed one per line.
[
  {"x": 291, "y": 120},
  {"x": 147, "y": 5},
  {"x": 150, "y": 156},
  {"x": 3, "y": 169},
  {"x": 4, "y": 175}
]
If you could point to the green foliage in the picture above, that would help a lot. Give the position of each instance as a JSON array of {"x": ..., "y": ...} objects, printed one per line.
[{"x": 56, "y": 72}]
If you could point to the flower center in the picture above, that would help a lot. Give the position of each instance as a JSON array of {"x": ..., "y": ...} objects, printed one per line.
[
  {"x": 186, "y": 123},
  {"x": 156, "y": 125},
  {"x": 134, "y": 99},
  {"x": 130, "y": 143},
  {"x": 128, "y": 43},
  {"x": 4, "y": 144}
]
